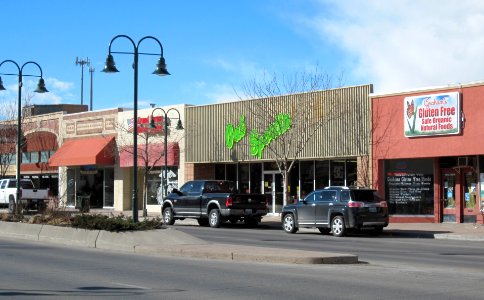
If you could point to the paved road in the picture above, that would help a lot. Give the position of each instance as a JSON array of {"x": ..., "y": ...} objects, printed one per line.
[
  {"x": 388, "y": 249},
  {"x": 35, "y": 270}
]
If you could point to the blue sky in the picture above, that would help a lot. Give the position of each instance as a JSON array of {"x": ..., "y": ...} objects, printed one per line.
[{"x": 212, "y": 47}]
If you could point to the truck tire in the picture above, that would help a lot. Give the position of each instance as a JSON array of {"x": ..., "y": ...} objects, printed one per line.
[
  {"x": 11, "y": 205},
  {"x": 168, "y": 218},
  {"x": 214, "y": 218}
]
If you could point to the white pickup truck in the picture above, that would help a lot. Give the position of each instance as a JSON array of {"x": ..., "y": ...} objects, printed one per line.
[{"x": 30, "y": 197}]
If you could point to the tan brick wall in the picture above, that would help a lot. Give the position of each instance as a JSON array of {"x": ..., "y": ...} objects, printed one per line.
[{"x": 199, "y": 171}]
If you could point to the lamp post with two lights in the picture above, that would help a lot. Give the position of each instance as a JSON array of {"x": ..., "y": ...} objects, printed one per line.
[
  {"x": 179, "y": 126},
  {"x": 161, "y": 70},
  {"x": 15, "y": 207}
]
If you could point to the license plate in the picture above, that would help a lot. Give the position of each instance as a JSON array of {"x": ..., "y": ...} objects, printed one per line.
[{"x": 372, "y": 209}]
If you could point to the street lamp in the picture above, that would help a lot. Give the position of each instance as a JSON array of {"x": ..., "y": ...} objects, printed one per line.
[
  {"x": 179, "y": 126},
  {"x": 161, "y": 70},
  {"x": 40, "y": 89}
]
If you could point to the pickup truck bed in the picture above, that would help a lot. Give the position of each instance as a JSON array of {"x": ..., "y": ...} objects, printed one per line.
[{"x": 30, "y": 197}]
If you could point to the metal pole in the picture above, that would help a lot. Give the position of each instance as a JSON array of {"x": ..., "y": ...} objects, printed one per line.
[
  {"x": 19, "y": 140},
  {"x": 135, "y": 138},
  {"x": 91, "y": 70},
  {"x": 165, "y": 179}
]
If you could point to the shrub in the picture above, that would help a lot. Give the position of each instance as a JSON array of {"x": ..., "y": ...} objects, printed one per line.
[{"x": 113, "y": 223}]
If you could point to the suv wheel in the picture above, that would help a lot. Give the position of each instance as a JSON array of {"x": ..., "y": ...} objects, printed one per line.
[
  {"x": 168, "y": 218},
  {"x": 289, "y": 224},
  {"x": 214, "y": 218},
  {"x": 338, "y": 226}
]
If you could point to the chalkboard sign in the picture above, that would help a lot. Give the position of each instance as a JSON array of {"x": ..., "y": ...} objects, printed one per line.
[{"x": 407, "y": 188}]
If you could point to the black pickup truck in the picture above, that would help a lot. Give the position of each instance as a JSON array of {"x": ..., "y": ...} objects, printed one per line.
[{"x": 213, "y": 202}]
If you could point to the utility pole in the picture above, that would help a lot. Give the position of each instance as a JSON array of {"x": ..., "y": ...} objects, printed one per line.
[
  {"x": 82, "y": 62},
  {"x": 91, "y": 70}
]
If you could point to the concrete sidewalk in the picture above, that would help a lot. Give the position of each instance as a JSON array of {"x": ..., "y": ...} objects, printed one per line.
[{"x": 167, "y": 242}]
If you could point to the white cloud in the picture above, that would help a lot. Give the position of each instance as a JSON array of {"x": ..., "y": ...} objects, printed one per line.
[
  {"x": 222, "y": 93},
  {"x": 403, "y": 44},
  {"x": 57, "y": 84}
]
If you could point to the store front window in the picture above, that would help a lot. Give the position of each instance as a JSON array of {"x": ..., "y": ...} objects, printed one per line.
[
  {"x": 409, "y": 186},
  {"x": 90, "y": 181}
]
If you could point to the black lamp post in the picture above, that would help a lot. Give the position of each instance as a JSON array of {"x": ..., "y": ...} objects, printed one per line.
[
  {"x": 179, "y": 126},
  {"x": 40, "y": 89},
  {"x": 110, "y": 67}
]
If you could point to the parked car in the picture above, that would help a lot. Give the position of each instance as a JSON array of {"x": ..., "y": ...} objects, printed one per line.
[
  {"x": 212, "y": 202},
  {"x": 337, "y": 209},
  {"x": 30, "y": 197}
]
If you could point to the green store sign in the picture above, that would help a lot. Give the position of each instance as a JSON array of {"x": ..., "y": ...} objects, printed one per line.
[{"x": 258, "y": 141}]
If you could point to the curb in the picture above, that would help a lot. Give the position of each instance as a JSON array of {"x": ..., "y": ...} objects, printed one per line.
[{"x": 167, "y": 242}]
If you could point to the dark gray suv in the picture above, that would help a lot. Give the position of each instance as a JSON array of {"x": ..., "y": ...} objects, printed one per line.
[{"x": 336, "y": 209}]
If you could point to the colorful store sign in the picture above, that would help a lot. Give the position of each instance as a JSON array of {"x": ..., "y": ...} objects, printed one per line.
[
  {"x": 258, "y": 141},
  {"x": 435, "y": 114},
  {"x": 144, "y": 124}
]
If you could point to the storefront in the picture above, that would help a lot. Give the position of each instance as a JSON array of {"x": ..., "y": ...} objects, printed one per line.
[
  {"x": 426, "y": 153},
  {"x": 86, "y": 159},
  {"x": 159, "y": 169},
  {"x": 89, "y": 170},
  {"x": 321, "y": 138}
]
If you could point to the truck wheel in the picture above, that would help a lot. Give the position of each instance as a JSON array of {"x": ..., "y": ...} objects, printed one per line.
[
  {"x": 289, "y": 224},
  {"x": 338, "y": 226},
  {"x": 214, "y": 218},
  {"x": 11, "y": 205},
  {"x": 168, "y": 218}
]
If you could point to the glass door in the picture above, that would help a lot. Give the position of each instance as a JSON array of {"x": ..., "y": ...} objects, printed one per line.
[
  {"x": 459, "y": 195},
  {"x": 470, "y": 209},
  {"x": 448, "y": 196},
  {"x": 273, "y": 188}
]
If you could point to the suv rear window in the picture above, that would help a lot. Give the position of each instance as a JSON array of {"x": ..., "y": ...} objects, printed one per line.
[{"x": 365, "y": 196}]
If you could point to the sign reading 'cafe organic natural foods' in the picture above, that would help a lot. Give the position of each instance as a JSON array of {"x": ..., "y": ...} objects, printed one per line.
[{"x": 436, "y": 114}]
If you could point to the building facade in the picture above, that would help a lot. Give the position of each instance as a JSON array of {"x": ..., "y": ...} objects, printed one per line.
[
  {"x": 427, "y": 155},
  {"x": 321, "y": 137},
  {"x": 95, "y": 158}
]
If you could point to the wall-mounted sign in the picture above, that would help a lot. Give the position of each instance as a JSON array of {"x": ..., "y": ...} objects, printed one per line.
[
  {"x": 144, "y": 124},
  {"x": 258, "y": 141},
  {"x": 233, "y": 134},
  {"x": 436, "y": 114}
]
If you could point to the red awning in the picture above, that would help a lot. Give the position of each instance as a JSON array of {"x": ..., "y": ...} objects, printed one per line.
[
  {"x": 82, "y": 152},
  {"x": 154, "y": 155}
]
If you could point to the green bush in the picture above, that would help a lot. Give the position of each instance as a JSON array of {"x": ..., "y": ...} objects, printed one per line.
[{"x": 117, "y": 223}]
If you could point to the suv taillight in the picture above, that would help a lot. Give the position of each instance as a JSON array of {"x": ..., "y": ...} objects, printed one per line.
[
  {"x": 355, "y": 204},
  {"x": 228, "y": 202}
]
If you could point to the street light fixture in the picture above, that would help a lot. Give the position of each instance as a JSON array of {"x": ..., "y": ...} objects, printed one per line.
[
  {"x": 40, "y": 89},
  {"x": 161, "y": 70},
  {"x": 179, "y": 126}
]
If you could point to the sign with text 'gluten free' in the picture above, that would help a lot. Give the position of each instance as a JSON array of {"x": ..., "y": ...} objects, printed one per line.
[{"x": 435, "y": 114}]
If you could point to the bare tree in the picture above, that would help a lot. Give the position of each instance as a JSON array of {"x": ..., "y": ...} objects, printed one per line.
[
  {"x": 8, "y": 132},
  {"x": 287, "y": 115},
  {"x": 148, "y": 156}
]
